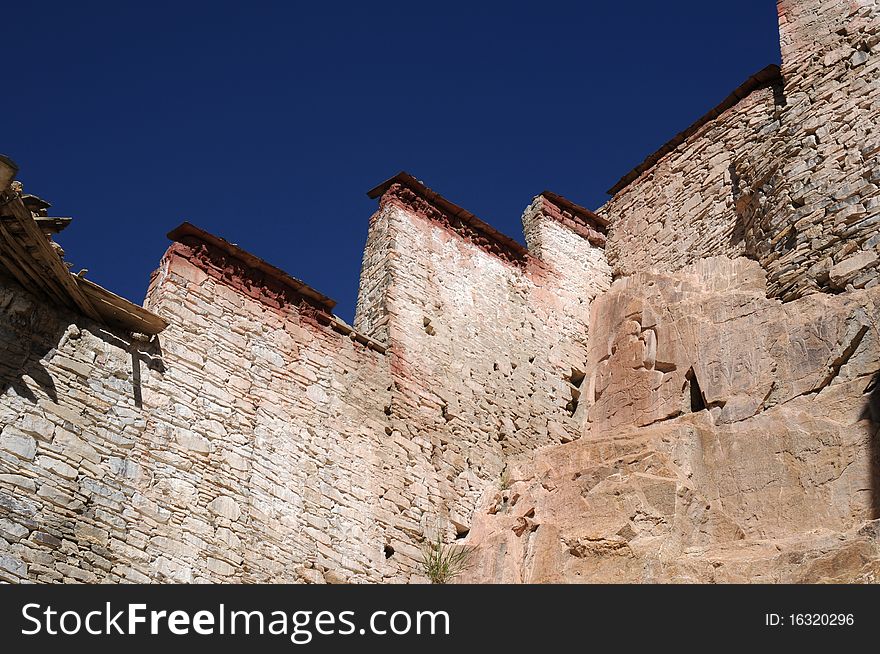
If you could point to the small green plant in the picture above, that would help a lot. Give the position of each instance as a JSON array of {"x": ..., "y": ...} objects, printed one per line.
[
  {"x": 443, "y": 562},
  {"x": 504, "y": 482}
]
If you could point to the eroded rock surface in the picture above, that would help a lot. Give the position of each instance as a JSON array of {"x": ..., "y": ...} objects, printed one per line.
[{"x": 732, "y": 439}]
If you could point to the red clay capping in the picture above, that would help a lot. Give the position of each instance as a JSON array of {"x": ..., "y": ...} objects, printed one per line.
[
  {"x": 580, "y": 220},
  {"x": 244, "y": 271},
  {"x": 405, "y": 190}
]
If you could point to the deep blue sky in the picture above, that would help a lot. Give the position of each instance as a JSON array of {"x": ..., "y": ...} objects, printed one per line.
[{"x": 266, "y": 123}]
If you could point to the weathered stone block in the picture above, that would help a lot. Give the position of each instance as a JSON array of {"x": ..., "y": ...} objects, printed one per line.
[
  {"x": 18, "y": 443},
  {"x": 226, "y": 507}
]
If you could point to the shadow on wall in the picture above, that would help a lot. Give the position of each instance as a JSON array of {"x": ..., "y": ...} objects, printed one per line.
[
  {"x": 752, "y": 187},
  {"x": 25, "y": 351},
  {"x": 21, "y": 353},
  {"x": 871, "y": 413},
  {"x": 148, "y": 353}
]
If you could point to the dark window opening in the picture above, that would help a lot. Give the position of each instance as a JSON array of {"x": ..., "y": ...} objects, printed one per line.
[
  {"x": 389, "y": 551},
  {"x": 572, "y": 404},
  {"x": 698, "y": 402},
  {"x": 575, "y": 379}
]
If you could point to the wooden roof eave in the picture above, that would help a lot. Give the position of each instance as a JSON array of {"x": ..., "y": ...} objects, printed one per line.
[{"x": 28, "y": 255}]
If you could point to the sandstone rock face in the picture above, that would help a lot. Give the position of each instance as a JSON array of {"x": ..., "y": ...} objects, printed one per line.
[
  {"x": 708, "y": 338},
  {"x": 728, "y": 436},
  {"x": 766, "y": 472},
  {"x": 624, "y": 510}
]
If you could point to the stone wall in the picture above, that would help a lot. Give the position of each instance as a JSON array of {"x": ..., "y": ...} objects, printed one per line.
[
  {"x": 699, "y": 419},
  {"x": 244, "y": 445},
  {"x": 683, "y": 207},
  {"x": 259, "y": 438},
  {"x": 487, "y": 344},
  {"x": 809, "y": 199},
  {"x": 787, "y": 175}
]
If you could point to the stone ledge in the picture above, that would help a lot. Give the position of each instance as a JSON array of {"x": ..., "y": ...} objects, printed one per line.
[
  {"x": 580, "y": 220},
  {"x": 258, "y": 279},
  {"x": 405, "y": 190}
]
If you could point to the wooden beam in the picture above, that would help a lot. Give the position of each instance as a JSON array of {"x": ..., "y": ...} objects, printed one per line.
[
  {"x": 52, "y": 224},
  {"x": 118, "y": 310},
  {"x": 27, "y": 253},
  {"x": 54, "y": 266},
  {"x": 19, "y": 259}
]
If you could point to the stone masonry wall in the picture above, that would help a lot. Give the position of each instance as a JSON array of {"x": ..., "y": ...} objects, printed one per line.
[
  {"x": 809, "y": 198},
  {"x": 683, "y": 208},
  {"x": 245, "y": 448},
  {"x": 258, "y": 439},
  {"x": 683, "y": 424},
  {"x": 787, "y": 176},
  {"x": 487, "y": 350}
]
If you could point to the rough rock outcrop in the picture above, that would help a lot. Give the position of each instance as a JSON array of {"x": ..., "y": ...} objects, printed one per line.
[{"x": 733, "y": 438}]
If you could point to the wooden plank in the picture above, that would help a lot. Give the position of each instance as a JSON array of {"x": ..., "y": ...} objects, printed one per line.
[
  {"x": 28, "y": 254},
  {"x": 121, "y": 311},
  {"x": 52, "y": 224},
  {"x": 54, "y": 265},
  {"x": 15, "y": 271},
  {"x": 21, "y": 260}
]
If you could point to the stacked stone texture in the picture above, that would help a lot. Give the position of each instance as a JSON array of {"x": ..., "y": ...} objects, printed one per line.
[
  {"x": 684, "y": 207},
  {"x": 254, "y": 441},
  {"x": 244, "y": 448},
  {"x": 788, "y": 176},
  {"x": 812, "y": 193},
  {"x": 711, "y": 415},
  {"x": 482, "y": 348}
]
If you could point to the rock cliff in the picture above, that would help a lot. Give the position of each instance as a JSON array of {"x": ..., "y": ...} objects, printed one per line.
[{"x": 732, "y": 438}]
